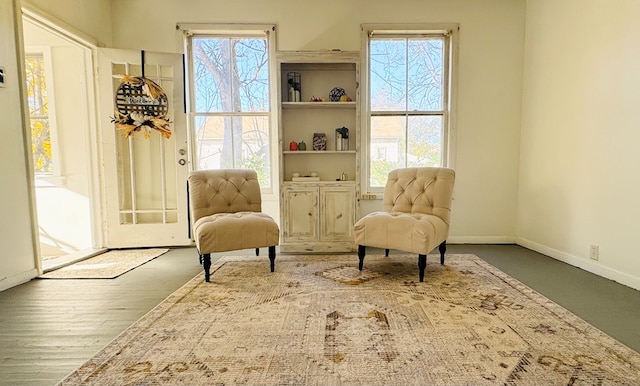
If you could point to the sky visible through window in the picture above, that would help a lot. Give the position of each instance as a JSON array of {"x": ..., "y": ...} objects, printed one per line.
[
  {"x": 231, "y": 84},
  {"x": 406, "y": 102}
]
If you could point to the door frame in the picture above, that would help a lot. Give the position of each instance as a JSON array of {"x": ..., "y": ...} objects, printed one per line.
[{"x": 88, "y": 46}]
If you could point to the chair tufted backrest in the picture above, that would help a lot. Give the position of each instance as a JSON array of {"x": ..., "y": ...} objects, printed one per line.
[
  {"x": 223, "y": 191},
  {"x": 425, "y": 190}
]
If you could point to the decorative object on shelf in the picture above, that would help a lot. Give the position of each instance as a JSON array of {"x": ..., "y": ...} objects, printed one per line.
[
  {"x": 344, "y": 176},
  {"x": 336, "y": 93},
  {"x": 319, "y": 141},
  {"x": 342, "y": 139},
  {"x": 315, "y": 99},
  {"x": 141, "y": 105},
  {"x": 295, "y": 174},
  {"x": 295, "y": 87},
  {"x": 302, "y": 145},
  {"x": 293, "y": 146}
]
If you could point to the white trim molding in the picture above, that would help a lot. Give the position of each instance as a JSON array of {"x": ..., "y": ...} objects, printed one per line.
[{"x": 587, "y": 265}]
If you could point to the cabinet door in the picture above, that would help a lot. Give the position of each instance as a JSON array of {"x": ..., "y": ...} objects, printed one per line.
[
  {"x": 338, "y": 213},
  {"x": 300, "y": 221}
]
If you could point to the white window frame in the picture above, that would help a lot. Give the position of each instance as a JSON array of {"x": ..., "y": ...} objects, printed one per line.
[
  {"x": 449, "y": 102},
  {"x": 233, "y": 30},
  {"x": 56, "y": 173}
]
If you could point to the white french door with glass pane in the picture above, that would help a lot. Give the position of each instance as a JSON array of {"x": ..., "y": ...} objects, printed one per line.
[{"x": 145, "y": 197}]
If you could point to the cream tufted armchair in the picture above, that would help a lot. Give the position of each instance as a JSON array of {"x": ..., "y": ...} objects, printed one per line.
[
  {"x": 225, "y": 208},
  {"x": 415, "y": 216}
]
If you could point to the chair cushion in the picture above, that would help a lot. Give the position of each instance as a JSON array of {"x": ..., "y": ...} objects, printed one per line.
[
  {"x": 425, "y": 190},
  {"x": 411, "y": 232},
  {"x": 223, "y": 190},
  {"x": 233, "y": 231}
]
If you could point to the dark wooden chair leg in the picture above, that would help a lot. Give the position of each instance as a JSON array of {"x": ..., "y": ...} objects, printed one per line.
[
  {"x": 272, "y": 257},
  {"x": 206, "y": 263},
  {"x": 422, "y": 264},
  {"x": 442, "y": 248},
  {"x": 257, "y": 251},
  {"x": 386, "y": 253},
  {"x": 361, "y": 252}
]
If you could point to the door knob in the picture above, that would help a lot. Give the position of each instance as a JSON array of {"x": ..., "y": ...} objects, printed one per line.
[
  {"x": 182, "y": 152},
  {"x": 182, "y": 162}
]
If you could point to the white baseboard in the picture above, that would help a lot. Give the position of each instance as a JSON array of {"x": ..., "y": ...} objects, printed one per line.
[
  {"x": 14, "y": 280},
  {"x": 481, "y": 240},
  {"x": 587, "y": 265}
]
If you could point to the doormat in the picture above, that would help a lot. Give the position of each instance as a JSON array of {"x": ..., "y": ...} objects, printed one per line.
[
  {"x": 317, "y": 320},
  {"x": 108, "y": 265}
]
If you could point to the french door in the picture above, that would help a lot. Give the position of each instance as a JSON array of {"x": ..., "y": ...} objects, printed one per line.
[{"x": 144, "y": 192}]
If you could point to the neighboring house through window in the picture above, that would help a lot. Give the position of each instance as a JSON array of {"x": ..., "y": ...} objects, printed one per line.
[
  {"x": 230, "y": 107},
  {"x": 408, "y": 92}
]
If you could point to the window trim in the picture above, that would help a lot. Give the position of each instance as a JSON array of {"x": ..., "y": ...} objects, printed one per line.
[
  {"x": 189, "y": 30},
  {"x": 451, "y": 52}
]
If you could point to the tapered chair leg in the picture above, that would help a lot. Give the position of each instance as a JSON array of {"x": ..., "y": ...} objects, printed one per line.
[
  {"x": 257, "y": 251},
  {"x": 386, "y": 253},
  {"x": 422, "y": 264},
  {"x": 442, "y": 248},
  {"x": 361, "y": 252},
  {"x": 272, "y": 257},
  {"x": 206, "y": 264}
]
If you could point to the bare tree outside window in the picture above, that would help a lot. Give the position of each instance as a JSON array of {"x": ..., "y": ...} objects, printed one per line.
[
  {"x": 39, "y": 113},
  {"x": 407, "y": 103},
  {"x": 231, "y": 89}
]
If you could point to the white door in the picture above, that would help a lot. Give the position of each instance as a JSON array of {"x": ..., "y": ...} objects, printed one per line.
[{"x": 144, "y": 178}]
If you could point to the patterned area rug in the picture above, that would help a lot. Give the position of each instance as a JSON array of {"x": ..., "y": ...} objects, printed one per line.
[
  {"x": 107, "y": 265},
  {"x": 319, "y": 321}
]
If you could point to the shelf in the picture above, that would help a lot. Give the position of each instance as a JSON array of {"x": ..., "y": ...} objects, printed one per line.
[
  {"x": 318, "y": 105},
  {"x": 321, "y": 182},
  {"x": 319, "y": 152}
]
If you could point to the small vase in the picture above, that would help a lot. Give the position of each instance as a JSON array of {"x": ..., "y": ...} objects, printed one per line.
[
  {"x": 319, "y": 141},
  {"x": 302, "y": 146}
]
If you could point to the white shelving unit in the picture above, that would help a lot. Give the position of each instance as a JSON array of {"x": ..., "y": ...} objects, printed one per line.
[{"x": 318, "y": 216}]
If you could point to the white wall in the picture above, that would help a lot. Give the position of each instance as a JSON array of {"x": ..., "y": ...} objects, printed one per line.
[
  {"x": 490, "y": 73},
  {"x": 85, "y": 18},
  {"x": 18, "y": 256},
  {"x": 580, "y": 134}
]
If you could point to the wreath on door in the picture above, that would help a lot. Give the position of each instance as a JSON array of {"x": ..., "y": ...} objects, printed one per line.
[{"x": 141, "y": 105}]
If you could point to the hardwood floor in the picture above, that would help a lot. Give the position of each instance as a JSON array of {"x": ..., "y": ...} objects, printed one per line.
[{"x": 50, "y": 327}]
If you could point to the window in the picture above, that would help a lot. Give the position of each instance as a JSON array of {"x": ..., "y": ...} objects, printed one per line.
[
  {"x": 230, "y": 101},
  {"x": 39, "y": 114},
  {"x": 408, "y": 84}
]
